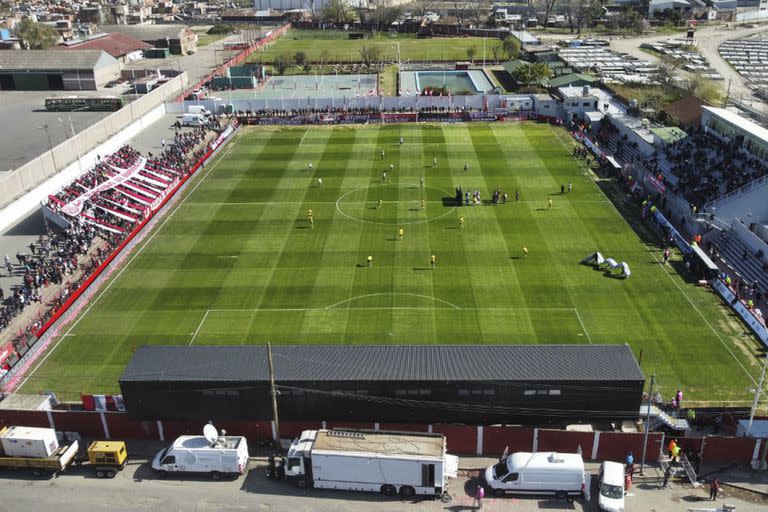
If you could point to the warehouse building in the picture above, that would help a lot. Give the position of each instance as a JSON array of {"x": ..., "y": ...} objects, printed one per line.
[
  {"x": 45, "y": 70},
  {"x": 124, "y": 48},
  {"x": 179, "y": 39},
  {"x": 473, "y": 384}
]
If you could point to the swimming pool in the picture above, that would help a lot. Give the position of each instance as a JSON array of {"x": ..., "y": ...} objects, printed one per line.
[{"x": 472, "y": 81}]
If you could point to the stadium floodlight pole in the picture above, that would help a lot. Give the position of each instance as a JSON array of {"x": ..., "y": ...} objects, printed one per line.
[
  {"x": 50, "y": 147},
  {"x": 647, "y": 423},
  {"x": 758, "y": 392},
  {"x": 273, "y": 391}
]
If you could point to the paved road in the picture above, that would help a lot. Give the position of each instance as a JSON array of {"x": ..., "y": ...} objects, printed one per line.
[
  {"x": 709, "y": 39},
  {"x": 138, "y": 489}
]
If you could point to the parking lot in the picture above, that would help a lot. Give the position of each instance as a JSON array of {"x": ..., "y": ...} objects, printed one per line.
[{"x": 137, "y": 488}]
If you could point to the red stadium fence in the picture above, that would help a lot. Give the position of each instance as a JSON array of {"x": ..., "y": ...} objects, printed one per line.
[{"x": 472, "y": 440}]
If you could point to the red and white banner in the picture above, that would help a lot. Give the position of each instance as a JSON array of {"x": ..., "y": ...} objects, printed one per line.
[{"x": 75, "y": 207}]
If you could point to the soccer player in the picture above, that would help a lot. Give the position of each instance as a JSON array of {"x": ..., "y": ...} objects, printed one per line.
[
  {"x": 310, "y": 166},
  {"x": 401, "y": 141},
  {"x": 382, "y": 154},
  {"x": 422, "y": 204},
  {"x": 549, "y": 202},
  {"x": 383, "y": 176},
  {"x": 320, "y": 182},
  {"x": 461, "y": 222},
  {"x": 570, "y": 187},
  {"x": 421, "y": 181},
  {"x": 434, "y": 162},
  {"x": 310, "y": 219},
  {"x": 391, "y": 167},
  {"x": 380, "y": 204},
  {"x": 517, "y": 196},
  {"x": 466, "y": 166},
  {"x": 433, "y": 262},
  {"x": 370, "y": 261},
  {"x": 525, "y": 252},
  {"x": 400, "y": 233}
]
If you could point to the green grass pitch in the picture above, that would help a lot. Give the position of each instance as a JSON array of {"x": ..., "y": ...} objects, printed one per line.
[
  {"x": 237, "y": 262},
  {"x": 340, "y": 48}
]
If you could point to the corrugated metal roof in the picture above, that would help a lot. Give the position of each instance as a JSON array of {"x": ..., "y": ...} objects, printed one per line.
[
  {"x": 116, "y": 44},
  {"x": 385, "y": 362},
  {"x": 146, "y": 32},
  {"x": 50, "y": 60}
]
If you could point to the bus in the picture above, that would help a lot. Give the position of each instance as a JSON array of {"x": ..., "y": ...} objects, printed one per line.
[{"x": 70, "y": 103}]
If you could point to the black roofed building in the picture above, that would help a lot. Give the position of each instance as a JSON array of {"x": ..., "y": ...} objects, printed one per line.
[
  {"x": 42, "y": 70},
  {"x": 477, "y": 384}
]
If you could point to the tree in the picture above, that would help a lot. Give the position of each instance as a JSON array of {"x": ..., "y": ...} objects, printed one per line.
[
  {"x": 300, "y": 58},
  {"x": 323, "y": 60},
  {"x": 511, "y": 47},
  {"x": 491, "y": 21},
  {"x": 495, "y": 51},
  {"x": 666, "y": 70},
  {"x": 337, "y": 11},
  {"x": 37, "y": 36},
  {"x": 471, "y": 52},
  {"x": 532, "y": 74},
  {"x": 582, "y": 12},
  {"x": 422, "y": 7},
  {"x": 383, "y": 13},
  {"x": 370, "y": 55},
  {"x": 704, "y": 89},
  {"x": 221, "y": 29},
  {"x": 548, "y": 6},
  {"x": 281, "y": 64}
]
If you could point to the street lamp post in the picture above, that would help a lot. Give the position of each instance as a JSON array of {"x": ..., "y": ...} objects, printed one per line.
[
  {"x": 758, "y": 392},
  {"x": 50, "y": 147},
  {"x": 74, "y": 138}
]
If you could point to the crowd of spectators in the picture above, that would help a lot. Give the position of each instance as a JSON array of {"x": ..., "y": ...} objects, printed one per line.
[
  {"x": 707, "y": 168},
  {"x": 56, "y": 259}
]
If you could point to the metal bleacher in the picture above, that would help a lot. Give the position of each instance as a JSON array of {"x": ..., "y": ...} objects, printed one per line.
[{"x": 749, "y": 268}]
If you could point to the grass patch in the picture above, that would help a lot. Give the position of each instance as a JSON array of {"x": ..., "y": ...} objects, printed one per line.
[
  {"x": 388, "y": 80},
  {"x": 238, "y": 263},
  {"x": 206, "y": 39},
  {"x": 341, "y": 49},
  {"x": 654, "y": 95}
]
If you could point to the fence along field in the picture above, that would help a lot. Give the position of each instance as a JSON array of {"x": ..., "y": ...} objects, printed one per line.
[{"x": 238, "y": 262}]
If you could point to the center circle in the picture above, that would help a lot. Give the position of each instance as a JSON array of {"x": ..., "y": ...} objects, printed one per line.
[{"x": 400, "y": 204}]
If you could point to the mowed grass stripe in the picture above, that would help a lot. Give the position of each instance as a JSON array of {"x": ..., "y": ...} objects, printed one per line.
[{"x": 244, "y": 265}]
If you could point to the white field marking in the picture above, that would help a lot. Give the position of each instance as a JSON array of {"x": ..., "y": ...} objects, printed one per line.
[
  {"x": 124, "y": 266},
  {"x": 199, "y": 326},
  {"x": 583, "y": 328},
  {"x": 452, "y": 305},
  {"x": 701, "y": 315},
  {"x": 422, "y": 221},
  {"x": 278, "y": 203},
  {"x": 301, "y": 142}
]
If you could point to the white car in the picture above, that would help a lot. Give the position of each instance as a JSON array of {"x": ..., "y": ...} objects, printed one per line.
[{"x": 611, "y": 480}]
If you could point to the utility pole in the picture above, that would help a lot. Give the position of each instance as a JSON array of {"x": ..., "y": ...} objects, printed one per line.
[
  {"x": 273, "y": 391},
  {"x": 647, "y": 423},
  {"x": 727, "y": 93},
  {"x": 50, "y": 147},
  {"x": 758, "y": 392}
]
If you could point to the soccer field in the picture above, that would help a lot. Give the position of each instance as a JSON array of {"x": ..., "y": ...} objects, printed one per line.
[{"x": 237, "y": 261}]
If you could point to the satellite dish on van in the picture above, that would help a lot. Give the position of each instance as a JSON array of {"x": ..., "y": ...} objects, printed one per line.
[{"x": 209, "y": 431}]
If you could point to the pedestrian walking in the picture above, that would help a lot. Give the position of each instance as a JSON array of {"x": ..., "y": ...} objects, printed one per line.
[
  {"x": 667, "y": 475},
  {"x": 549, "y": 202},
  {"x": 714, "y": 488},
  {"x": 32, "y": 247},
  {"x": 162, "y": 142},
  {"x": 679, "y": 397},
  {"x": 630, "y": 463},
  {"x": 479, "y": 495},
  {"x": 433, "y": 262},
  {"x": 370, "y": 261}
]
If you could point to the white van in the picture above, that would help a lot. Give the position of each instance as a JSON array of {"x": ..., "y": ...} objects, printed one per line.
[
  {"x": 209, "y": 453},
  {"x": 561, "y": 474},
  {"x": 193, "y": 120},
  {"x": 611, "y": 479},
  {"x": 198, "y": 109}
]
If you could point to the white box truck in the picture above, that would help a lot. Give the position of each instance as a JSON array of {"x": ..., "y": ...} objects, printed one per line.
[
  {"x": 391, "y": 463},
  {"x": 217, "y": 455},
  {"x": 198, "y": 109},
  {"x": 561, "y": 474}
]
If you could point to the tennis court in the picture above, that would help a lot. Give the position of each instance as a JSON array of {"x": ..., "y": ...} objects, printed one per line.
[{"x": 311, "y": 86}]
